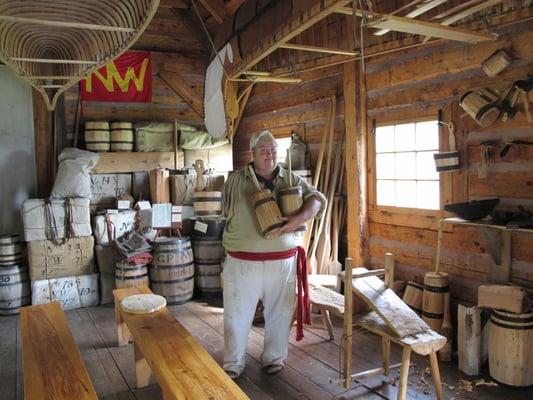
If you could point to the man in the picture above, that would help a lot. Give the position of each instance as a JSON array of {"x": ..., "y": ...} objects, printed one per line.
[{"x": 260, "y": 269}]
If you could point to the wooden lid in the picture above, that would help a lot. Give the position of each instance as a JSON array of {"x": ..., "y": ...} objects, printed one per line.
[{"x": 143, "y": 303}]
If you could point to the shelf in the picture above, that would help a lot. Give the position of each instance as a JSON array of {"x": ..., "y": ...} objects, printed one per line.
[
  {"x": 125, "y": 162},
  {"x": 481, "y": 224}
]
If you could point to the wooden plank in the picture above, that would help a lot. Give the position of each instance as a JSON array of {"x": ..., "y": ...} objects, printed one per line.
[
  {"x": 182, "y": 88},
  {"x": 8, "y": 351},
  {"x": 316, "y": 49},
  {"x": 469, "y": 339},
  {"x": 110, "y": 163},
  {"x": 503, "y": 297},
  {"x": 52, "y": 361},
  {"x": 402, "y": 320},
  {"x": 44, "y": 146}
]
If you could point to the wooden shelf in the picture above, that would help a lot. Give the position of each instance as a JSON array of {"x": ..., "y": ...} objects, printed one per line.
[
  {"x": 481, "y": 224},
  {"x": 124, "y": 162}
]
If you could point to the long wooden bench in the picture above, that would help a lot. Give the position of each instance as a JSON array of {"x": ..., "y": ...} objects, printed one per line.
[
  {"x": 52, "y": 364},
  {"x": 165, "y": 349}
]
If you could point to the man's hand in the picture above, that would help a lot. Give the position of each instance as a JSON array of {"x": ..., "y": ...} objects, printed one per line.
[{"x": 292, "y": 224}]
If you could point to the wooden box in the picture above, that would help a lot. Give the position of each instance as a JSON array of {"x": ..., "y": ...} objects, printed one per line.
[{"x": 72, "y": 292}]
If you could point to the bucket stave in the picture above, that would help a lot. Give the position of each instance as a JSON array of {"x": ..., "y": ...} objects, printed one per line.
[
  {"x": 267, "y": 212},
  {"x": 130, "y": 275},
  {"x": 510, "y": 348},
  {"x": 412, "y": 296},
  {"x": 172, "y": 269},
  {"x": 291, "y": 201},
  {"x": 208, "y": 257},
  {"x": 435, "y": 287},
  {"x": 15, "y": 289},
  {"x": 121, "y": 136},
  {"x": 97, "y": 136},
  {"x": 10, "y": 250},
  {"x": 207, "y": 204}
]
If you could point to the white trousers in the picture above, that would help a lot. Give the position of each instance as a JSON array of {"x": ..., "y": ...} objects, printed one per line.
[{"x": 246, "y": 282}]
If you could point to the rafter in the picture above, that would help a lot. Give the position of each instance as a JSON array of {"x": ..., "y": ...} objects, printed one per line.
[{"x": 316, "y": 49}]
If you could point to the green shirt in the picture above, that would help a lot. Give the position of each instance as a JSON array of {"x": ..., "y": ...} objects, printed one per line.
[{"x": 241, "y": 232}]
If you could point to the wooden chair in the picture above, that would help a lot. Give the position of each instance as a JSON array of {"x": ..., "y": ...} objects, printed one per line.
[
  {"x": 164, "y": 348},
  {"x": 391, "y": 319},
  {"x": 52, "y": 363}
]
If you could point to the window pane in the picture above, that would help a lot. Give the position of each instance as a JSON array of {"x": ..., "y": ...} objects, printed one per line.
[
  {"x": 404, "y": 137},
  {"x": 384, "y": 139},
  {"x": 405, "y": 165},
  {"x": 386, "y": 193},
  {"x": 283, "y": 146},
  {"x": 406, "y": 194},
  {"x": 427, "y": 135},
  {"x": 385, "y": 166},
  {"x": 425, "y": 165},
  {"x": 428, "y": 195}
]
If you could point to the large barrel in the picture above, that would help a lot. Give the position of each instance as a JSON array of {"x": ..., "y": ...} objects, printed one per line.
[
  {"x": 267, "y": 212},
  {"x": 97, "y": 136},
  {"x": 121, "y": 136},
  {"x": 14, "y": 289},
  {"x": 207, "y": 204},
  {"x": 208, "y": 258},
  {"x": 412, "y": 295},
  {"x": 172, "y": 269},
  {"x": 130, "y": 275},
  {"x": 10, "y": 250},
  {"x": 290, "y": 202},
  {"x": 511, "y": 348},
  {"x": 435, "y": 286}
]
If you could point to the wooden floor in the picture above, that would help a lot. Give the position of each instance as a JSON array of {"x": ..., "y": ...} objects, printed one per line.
[{"x": 310, "y": 365}]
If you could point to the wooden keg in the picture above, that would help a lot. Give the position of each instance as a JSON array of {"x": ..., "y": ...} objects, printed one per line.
[
  {"x": 267, "y": 212},
  {"x": 14, "y": 289},
  {"x": 290, "y": 202},
  {"x": 208, "y": 257},
  {"x": 121, "y": 136},
  {"x": 435, "y": 287},
  {"x": 484, "y": 110},
  {"x": 10, "y": 250},
  {"x": 207, "y": 204},
  {"x": 172, "y": 269},
  {"x": 97, "y": 136},
  {"x": 511, "y": 348},
  {"x": 412, "y": 295},
  {"x": 130, "y": 275},
  {"x": 496, "y": 63}
]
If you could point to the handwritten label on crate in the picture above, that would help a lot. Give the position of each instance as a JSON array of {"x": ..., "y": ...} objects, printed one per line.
[
  {"x": 105, "y": 188},
  {"x": 72, "y": 292}
]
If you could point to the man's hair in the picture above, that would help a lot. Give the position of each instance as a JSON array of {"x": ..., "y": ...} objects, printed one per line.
[{"x": 263, "y": 136}]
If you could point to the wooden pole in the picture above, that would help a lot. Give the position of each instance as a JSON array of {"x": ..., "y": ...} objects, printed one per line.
[{"x": 348, "y": 305}]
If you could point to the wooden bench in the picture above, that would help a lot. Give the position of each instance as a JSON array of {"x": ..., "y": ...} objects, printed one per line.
[
  {"x": 52, "y": 364},
  {"x": 165, "y": 349}
]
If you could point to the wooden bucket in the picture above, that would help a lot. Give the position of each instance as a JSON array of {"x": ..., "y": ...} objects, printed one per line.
[
  {"x": 14, "y": 289},
  {"x": 291, "y": 201},
  {"x": 413, "y": 294},
  {"x": 208, "y": 258},
  {"x": 10, "y": 250},
  {"x": 480, "y": 107},
  {"x": 207, "y": 204},
  {"x": 121, "y": 136},
  {"x": 267, "y": 212},
  {"x": 129, "y": 275},
  {"x": 511, "y": 348},
  {"x": 97, "y": 136},
  {"x": 435, "y": 286},
  {"x": 172, "y": 269},
  {"x": 496, "y": 63}
]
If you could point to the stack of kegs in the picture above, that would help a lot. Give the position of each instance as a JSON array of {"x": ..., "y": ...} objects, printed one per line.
[{"x": 14, "y": 279}]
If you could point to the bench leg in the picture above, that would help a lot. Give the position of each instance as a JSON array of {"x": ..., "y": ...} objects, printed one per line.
[
  {"x": 327, "y": 322},
  {"x": 142, "y": 369},
  {"x": 385, "y": 349},
  {"x": 436, "y": 374},
  {"x": 123, "y": 332},
  {"x": 404, "y": 373}
]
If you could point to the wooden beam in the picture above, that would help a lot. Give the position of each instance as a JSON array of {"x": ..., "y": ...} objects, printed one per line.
[
  {"x": 179, "y": 85},
  {"x": 66, "y": 24},
  {"x": 287, "y": 31},
  {"x": 257, "y": 73},
  {"x": 348, "y": 11},
  {"x": 407, "y": 25},
  {"x": 470, "y": 11},
  {"x": 215, "y": 8},
  {"x": 316, "y": 49},
  {"x": 114, "y": 163},
  {"x": 44, "y": 145},
  {"x": 50, "y": 60},
  {"x": 455, "y": 9},
  {"x": 244, "y": 100},
  {"x": 274, "y": 79}
]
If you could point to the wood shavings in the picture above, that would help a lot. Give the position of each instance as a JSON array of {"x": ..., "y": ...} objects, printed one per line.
[
  {"x": 466, "y": 385},
  {"x": 483, "y": 382}
]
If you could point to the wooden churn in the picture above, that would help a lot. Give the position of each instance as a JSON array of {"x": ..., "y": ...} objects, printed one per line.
[
  {"x": 266, "y": 210},
  {"x": 480, "y": 107},
  {"x": 291, "y": 198},
  {"x": 205, "y": 203},
  {"x": 435, "y": 288}
]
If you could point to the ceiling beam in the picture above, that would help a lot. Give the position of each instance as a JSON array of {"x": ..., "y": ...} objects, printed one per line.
[
  {"x": 216, "y": 8},
  {"x": 66, "y": 24},
  {"x": 316, "y": 49}
]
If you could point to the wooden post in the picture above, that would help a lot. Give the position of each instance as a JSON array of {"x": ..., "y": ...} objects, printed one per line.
[
  {"x": 348, "y": 305},
  {"x": 142, "y": 369},
  {"x": 389, "y": 270},
  {"x": 44, "y": 145},
  {"x": 436, "y": 375},
  {"x": 404, "y": 373},
  {"x": 469, "y": 339},
  {"x": 385, "y": 348}
]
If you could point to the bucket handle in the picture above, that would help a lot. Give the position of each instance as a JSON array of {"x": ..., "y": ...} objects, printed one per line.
[{"x": 254, "y": 178}]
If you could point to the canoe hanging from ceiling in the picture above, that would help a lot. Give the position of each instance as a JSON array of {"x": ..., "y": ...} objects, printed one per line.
[{"x": 53, "y": 44}]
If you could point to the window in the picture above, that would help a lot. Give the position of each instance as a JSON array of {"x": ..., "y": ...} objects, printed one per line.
[
  {"x": 405, "y": 169},
  {"x": 283, "y": 146}
]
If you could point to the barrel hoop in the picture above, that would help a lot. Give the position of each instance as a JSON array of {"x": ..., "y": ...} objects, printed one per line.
[
  {"x": 172, "y": 266},
  {"x": 273, "y": 227},
  {"x": 10, "y": 243},
  {"x": 177, "y": 251},
  {"x": 263, "y": 201},
  {"x": 513, "y": 327},
  {"x": 415, "y": 285},
  {"x": 14, "y": 283},
  {"x": 483, "y": 110},
  {"x": 11, "y": 255},
  {"x": 418, "y": 310},
  {"x": 96, "y": 142},
  {"x": 207, "y": 262},
  {"x": 295, "y": 190},
  {"x": 452, "y": 167},
  {"x": 128, "y": 278},
  {"x": 219, "y": 212},
  {"x": 173, "y": 281},
  {"x": 511, "y": 319},
  {"x": 118, "y": 142},
  {"x": 432, "y": 315},
  {"x": 437, "y": 289},
  {"x": 133, "y": 268},
  {"x": 446, "y": 154},
  {"x": 206, "y": 199}
]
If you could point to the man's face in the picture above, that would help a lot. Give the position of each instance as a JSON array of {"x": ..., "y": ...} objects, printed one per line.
[{"x": 265, "y": 156}]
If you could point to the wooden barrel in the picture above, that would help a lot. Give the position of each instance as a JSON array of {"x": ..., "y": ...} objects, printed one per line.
[
  {"x": 97, "y": 136},
  {"x": 129, "y": 275},
  {"x": 121, "y": 136},
  {"x": 412, "y": 295},
  {"x": 496, "y": 63},
  {"x": 207, "y": 204},
  {"x": 511, "y": 348},
  {"x": 10, "y": 250},
  {"x": 14, "y": 289},
  {"x": 290, "y": 202},
  {"x": 208, "y": 258},
  {"x": 267, "y": 212},
  {"x": 172, "y": 269},
  {"x": 435, "y": 286},
  {"x": 446, "y": 161},
  {"x": 480, "y": 107}
]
